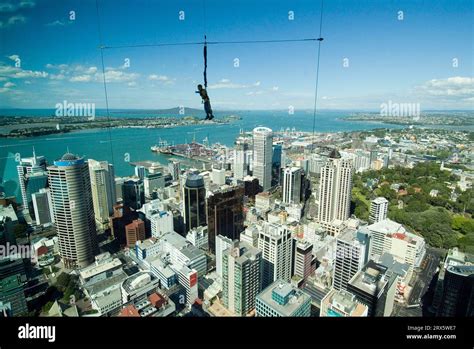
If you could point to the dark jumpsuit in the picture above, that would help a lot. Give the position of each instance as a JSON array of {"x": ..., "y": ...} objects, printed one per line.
[{"x": 207, "y": 103}]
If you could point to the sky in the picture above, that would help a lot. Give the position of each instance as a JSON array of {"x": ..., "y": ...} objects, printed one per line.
[{"x": 374, "y": 51}]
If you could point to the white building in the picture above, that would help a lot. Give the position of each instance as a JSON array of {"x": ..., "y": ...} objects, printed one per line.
[
  {"x": 198, "y": 236},
  {"x": 262, "y": 156},
  {"x": 103, "y": 191},
  {"x": 222, "y": 244},
  {"x": 276, "y": 244},
  {"x": 335, "y": 191},
  {"x": 73, "y": 210},
  {"x": 292, "y": 185},
  {"x": 378, "y": 210},
  {"x": 352, "y": 249},
  {"x": 161, "y": 223},
  {"x": 391, "y": 237}
]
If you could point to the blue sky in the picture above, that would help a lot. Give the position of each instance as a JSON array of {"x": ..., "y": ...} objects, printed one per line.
[{"x": 405, "y": 61}]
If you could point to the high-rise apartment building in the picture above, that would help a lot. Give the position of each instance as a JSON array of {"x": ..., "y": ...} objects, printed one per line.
[
  {"x": 71, "y": 197},
  {"x": 262, "y": 156},
  {"x": 241, "y": 278},
  {"x": 103, "y": 191},
  {"x": 276, "y": 244},
  {"x": 335, "y": 190},
  {"x": 378, "y": 210}
]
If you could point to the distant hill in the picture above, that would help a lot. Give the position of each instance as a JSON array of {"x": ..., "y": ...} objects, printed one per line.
[{"x": 162, "y": 112}]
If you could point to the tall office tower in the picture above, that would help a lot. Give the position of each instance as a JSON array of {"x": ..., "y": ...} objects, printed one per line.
[
  {"x": 374, "y": 285},
  {"x": 133, "y": 193},
  {"x": 276, "y": 164},
  {"x": 262, "y": 156},
  {"x": 140, "y": 172},
  {"x": 194, "y": 194},
  {"x": 352, "y": 250},
  {"x": 134, "y": 232},
  {"x": 276, "y": 245},
  {"x": 281, "y": 299},
  {"x": 303, "y": 259},
  {"x": 240, "y": 158},
  {"x": 103, "y": 191},
  {"x": 458, "y": 292},
  {"x": 292, "y": 185},
  {"x": 43, "y": 207},
  {"x": 32, "y": 176},
  {"x": 454, "y": 289},
  {"x": 241, "y": 278},
  {"x": 71, "y": 196},
  {"x": 222, "y": 244},
  {"x": 225, "y": 213},
  {"x": 174, "y": 169},
  {"x": 335, "y": 190},
  {"x": 378, "y": 210}
]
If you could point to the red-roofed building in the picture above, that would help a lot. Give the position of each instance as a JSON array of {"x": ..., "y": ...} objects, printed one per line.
[
  {"x": 156, "y": 300},
  {"x": 129, "y": 311}
]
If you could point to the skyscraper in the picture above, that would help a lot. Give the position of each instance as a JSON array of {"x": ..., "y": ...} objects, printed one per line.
[
  {"x": 240, "y": 159},
  {"x": 335, "y": 190},
  {"x": 352, "y": 250},
  {"x": 276, "y": 164},
  {"x": 241, "y": 272},
  {"x": 225, "y": 213},
  {"x": 292, "y": 185},
  {"x": 174, "y": 169},
  {"x": 262, "y": 156},
  {"x": 276, "y": 244},
  {"x": 378, "y": 210},
  {"x": 32, "y": 176},
  {"x": 303, "y": 259},
  {"x": 133, "y": 193},
  {"x": 458, "y": 292},
  {"x": 194, "y": 202},
  {"x": 73, "y": 210},
  {"x": 103, "y": 191}
]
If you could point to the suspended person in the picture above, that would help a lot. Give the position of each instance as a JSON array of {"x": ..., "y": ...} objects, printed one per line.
[{"x": 207, "y": 103}]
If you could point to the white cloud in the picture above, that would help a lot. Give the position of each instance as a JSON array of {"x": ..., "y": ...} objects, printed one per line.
[
  {"x": 132, "y": 84},
  {"x": 12, "y": 7},
  {"x": 13, "y": 57},
  {"x": 9, "y": 84},
  {"x": 15, "y": 20},
  {"x": 226, "y": 83},
  {"x": 453, "y": 87},
  {"x": 81, "y": 78},
  {"x": 275, "y": 88},
  {"x": 18, "y": 73},
  {"x": 155, "y": 77},
  {"x": 57, "y": 76}
]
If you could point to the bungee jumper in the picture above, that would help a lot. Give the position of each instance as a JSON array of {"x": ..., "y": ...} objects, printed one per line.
[{"x": 203, "y": 90}]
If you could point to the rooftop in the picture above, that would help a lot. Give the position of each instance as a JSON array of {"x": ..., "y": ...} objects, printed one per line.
[{"x": 295, "y": 297}]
